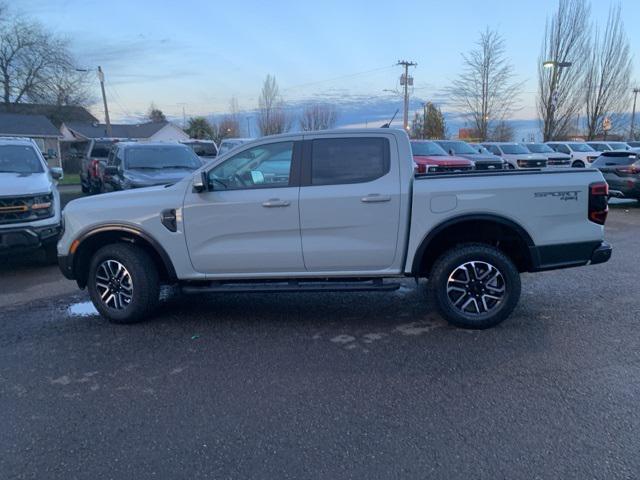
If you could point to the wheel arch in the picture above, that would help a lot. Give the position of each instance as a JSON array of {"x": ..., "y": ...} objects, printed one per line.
[
  {"x": 98, "y": 236},
  {"x": 496, "y": 230}
]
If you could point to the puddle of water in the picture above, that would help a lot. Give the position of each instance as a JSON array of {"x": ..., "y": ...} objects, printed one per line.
[{"x": 82, "y": 309}]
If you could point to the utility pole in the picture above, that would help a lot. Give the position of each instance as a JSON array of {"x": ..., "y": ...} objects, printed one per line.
[
  {"x": 633, "y": 114},
  {"x": 406, "y": 80},
  {"x": 248, "y": 127},
  {"x": 104, "y": 99}
]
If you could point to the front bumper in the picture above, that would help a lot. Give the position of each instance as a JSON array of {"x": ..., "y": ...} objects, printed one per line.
[
  {"x": 27, "y": 238},
  {"x": 65, "y": 262}
]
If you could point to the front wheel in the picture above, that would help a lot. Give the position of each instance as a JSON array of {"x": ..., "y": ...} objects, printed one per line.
[
  {"x": 475, "y": 286},
  {"x": 123, "y": 283},
  {"x": 578, "y": 164}
]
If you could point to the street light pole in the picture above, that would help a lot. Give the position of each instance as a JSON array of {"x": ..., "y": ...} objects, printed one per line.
[
  {"x": 633, "y": 114},
  {"x": 553, "y": 100},
  {"x": 104, "y": 100}
]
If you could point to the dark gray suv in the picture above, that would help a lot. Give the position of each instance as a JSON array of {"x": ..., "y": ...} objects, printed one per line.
[{"x": 136, "y": 165}]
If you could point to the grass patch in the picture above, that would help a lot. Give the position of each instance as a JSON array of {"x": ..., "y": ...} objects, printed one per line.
[{"x": 70, "y": 179}]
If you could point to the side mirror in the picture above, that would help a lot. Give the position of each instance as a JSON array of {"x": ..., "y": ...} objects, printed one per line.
[
  {"x": 451, "y": 152},
  {"x": 56, "y": 173},
  {"x": 201, "y": 182},
  {"x": 111, "y": 170}
]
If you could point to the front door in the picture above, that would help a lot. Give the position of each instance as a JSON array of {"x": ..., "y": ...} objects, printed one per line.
[
  {"x": 350, "y": 204},
  {"x": 248, "y": 223}
]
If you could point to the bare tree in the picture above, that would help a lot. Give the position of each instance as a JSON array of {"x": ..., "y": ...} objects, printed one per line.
[
  {"x": 272, "y": 117},
  {"x": 607, "y": 81},
  {"x": 486, "y": 91},
  {"x": 502, "y": 132},
  {"x": 318, "y": 117},
  {"x": 66, "y": 86},
  {"x": 32, "y": 61},
  {"x": 564, "y": 50}
]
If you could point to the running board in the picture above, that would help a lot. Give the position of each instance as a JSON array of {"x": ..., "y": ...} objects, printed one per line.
[{"x": 292, "y": 286}]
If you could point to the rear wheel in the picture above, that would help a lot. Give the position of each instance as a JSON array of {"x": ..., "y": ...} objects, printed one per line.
[
  {"x": 123, "y": 283},
  {"x": 474, "y": 286}
]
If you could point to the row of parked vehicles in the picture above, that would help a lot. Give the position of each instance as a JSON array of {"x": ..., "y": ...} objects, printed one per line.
[{"x": 110, "y": 164}]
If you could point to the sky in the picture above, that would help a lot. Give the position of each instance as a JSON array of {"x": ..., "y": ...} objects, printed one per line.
[{"x": 195, "y": 55}]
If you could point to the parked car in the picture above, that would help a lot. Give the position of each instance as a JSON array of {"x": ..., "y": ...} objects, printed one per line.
[
  {"x": 136, "y": 165},
  {"x": 205, "y": 149},
  {"x": 29, "y": 199},
  {"x": 481, "y": 160},
  {"x": 429, "y": 157},
  {"x": 516, "y": 155},
  {"x": 93, "y": 162},
  {"x": 602, "y": 146},
  {"x": 621, "y": 170},
  {"x": 349, "y": 215},
  {"x": 582, "y": 155},
  {"x": 554, "y": 159},
  {"x": 230, "y": 143}
]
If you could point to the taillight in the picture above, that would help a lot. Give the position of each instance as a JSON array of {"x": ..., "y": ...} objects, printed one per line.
[
  {"x": 598, "y": 204},
  {"x": 632, "y": 169},
  {"x": 95, "y": 168}
]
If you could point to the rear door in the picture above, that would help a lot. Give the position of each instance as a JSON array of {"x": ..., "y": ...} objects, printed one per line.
[{"x": 349, "y": 203}]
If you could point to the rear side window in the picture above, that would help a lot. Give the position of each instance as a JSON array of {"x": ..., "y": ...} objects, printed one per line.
[
  {"x": 613, "y": 159},
  {"x": 348, "y": 160}
]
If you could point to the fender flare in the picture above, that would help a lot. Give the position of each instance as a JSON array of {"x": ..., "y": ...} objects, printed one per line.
[{"x": 429, "y": 237}]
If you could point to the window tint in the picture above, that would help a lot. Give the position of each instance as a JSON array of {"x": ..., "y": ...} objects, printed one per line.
[
  {"x": 493, "y": 149},
  {"x": 348, "y": 160},
  {"x": 101, "y": 149},
  {"x": 162, "y": 156},
  {"x": 561, "y": 148},
  {"x": 264, "y": 166},
  {"x": 427, "y": 148},
  {"x": 615, "y": 158}
]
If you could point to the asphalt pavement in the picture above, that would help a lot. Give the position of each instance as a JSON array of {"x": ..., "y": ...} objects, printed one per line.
[{"x": 327, "y": 386}]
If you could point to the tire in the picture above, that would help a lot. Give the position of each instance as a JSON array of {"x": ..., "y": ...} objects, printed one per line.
[
  {"x": 95, "y": 188},
  {"x": 130, "y": 296},
  {"x": 50, "y": 254},
  {"x": 578, "y": 164},
  {"x": 481, "y": 286},
  {"x": 84, "y": 188},
  {"x": 510, "y": 167}
]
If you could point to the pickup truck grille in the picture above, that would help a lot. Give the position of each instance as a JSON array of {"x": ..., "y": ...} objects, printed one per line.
[
  {"x": 532, "y": 163},
  {"x": 448, "y": 169},
  {"x": 25, "y": 208},
  {"x": 489, "y": 166},
  {"x": 558, "y": 162}
]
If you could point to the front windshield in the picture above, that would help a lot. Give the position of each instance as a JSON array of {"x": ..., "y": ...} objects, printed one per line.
[
  {"x": 581, "y": 147},
  {"x": 619, "y": 145},
  {"x": 101, "y": 149},
  {"x": 157, "y": 157},
  {"x": 19, "y": 159},
  {"x": 513, "y": 149},
  {"x": 427, "y": 148},
  {"x": 539, "y": 148},
  {"x": 203, "y": 149},
  {"x": 461, "y": 148}
]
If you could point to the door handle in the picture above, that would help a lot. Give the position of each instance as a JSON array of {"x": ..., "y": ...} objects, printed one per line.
[
  {"x": 375, "y": 198},
  {"x": 275, "y": 202}
]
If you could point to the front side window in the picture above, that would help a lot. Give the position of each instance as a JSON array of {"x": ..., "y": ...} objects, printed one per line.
[
  {"x": 348, "y": 160},
  {"x": 264, "y": 166},
  {"x": 19, "y": 159}
]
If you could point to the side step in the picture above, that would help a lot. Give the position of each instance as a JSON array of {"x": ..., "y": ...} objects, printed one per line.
[{"x": 292, "y": 286}]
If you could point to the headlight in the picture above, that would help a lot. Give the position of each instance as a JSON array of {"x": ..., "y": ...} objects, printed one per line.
[
  {"x": 42, "y": 205},
  {"x": 522, "y": 163}
]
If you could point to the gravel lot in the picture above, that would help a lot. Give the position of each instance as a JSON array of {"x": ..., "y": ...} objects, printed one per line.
[{"x": 365, "y": 385}]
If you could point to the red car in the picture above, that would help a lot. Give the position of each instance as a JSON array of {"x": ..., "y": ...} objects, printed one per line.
[{"x": 430, "y": 157}]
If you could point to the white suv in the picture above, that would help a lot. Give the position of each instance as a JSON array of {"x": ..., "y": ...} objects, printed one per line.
[
  {"x": 516, "y": 155},
  {"x": 582, "y": 155},
  {"x": 29, "y": 199}
]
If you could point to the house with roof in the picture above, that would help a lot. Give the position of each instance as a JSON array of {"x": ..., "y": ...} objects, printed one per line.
[
  {"x": 37, "y": 127},
  {"x": 150, "y": 131},
  {"x": 57, "y": 114}
]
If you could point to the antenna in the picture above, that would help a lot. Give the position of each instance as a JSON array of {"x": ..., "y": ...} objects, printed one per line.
[{"x": 386, "y": 125}]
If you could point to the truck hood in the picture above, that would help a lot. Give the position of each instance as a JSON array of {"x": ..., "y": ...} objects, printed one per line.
[
  {"x": 480, "y": 157},
  {"x": 144, "y": 178},
  {"x": 14, "y": 184},
  {"x": 441, "y": 160}
]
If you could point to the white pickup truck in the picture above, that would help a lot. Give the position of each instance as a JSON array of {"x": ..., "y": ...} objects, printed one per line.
[{"x": 334, "y": 210}]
